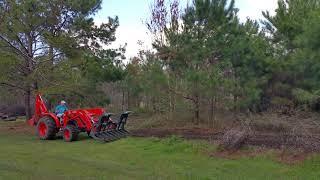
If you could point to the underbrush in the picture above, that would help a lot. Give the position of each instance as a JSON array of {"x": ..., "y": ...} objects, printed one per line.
[{"x": 300, "y": 122}]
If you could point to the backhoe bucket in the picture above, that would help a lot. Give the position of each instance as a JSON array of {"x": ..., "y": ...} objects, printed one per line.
[{"x": 108, "y": 135}]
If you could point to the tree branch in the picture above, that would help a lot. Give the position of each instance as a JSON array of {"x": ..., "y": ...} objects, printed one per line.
[
  {"x": 21, "y": 43},
  {"x": 15, "y": 48},
  {"x": 182, "y": 95},
  {"x": 11, "y": 85}
]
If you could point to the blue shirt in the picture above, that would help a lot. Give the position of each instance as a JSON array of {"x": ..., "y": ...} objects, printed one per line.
[{"x": 60, "y": 109}]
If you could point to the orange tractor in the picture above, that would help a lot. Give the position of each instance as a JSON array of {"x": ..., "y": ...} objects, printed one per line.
[{"x": 96, "y": 122}]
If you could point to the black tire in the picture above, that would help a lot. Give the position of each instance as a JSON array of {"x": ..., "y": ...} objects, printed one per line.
[
  {"x": 70, "y": 133},
  {"x": 46, "y": 128}
]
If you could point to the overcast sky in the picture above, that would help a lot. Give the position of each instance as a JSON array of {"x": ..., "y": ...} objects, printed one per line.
[{"x": 132, "y": 13}]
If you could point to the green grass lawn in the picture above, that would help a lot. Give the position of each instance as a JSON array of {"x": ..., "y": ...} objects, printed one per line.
[{"x": 26, "y": 157}]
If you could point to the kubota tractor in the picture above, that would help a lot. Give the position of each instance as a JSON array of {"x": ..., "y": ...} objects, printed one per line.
[{"x": 96, "y": 122}]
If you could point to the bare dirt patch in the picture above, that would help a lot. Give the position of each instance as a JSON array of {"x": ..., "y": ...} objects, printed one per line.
[
  {"x": 308, "y": 143},
  {"x": 262, "y": 139},
  {"x": 195, "y": 133}
]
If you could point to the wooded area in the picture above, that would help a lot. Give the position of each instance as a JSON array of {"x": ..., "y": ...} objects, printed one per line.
[{"x": 204, "y": 60}]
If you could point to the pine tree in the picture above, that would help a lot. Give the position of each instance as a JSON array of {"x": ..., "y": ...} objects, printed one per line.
[{"x": 45, "y": 41}]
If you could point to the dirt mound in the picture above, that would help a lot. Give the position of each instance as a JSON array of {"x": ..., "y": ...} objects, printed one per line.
[
  {"x": 309, "y": 143},
  {"x": 234, "y": 139},
  {"x": 196, "y": 133},
  {"x": 263, "y": 139}
]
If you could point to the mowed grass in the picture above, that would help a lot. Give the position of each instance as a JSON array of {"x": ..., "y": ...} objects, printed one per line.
[{"x": 25, "y": 157}]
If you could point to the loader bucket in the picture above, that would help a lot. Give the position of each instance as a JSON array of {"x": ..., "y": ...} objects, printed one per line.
[{"x": 111, "y": 134}]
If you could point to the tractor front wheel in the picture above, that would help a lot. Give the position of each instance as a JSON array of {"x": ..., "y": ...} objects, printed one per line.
[
  {"x": 70, "y": 133},
  {"x": 46, "y": 128}
]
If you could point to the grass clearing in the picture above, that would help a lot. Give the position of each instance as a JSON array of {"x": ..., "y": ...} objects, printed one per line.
[{"x": 23, "y": 156}]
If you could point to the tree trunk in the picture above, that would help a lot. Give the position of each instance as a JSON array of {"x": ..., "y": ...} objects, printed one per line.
[
  {"x": 123, "y": 99},
  {"x": 235, "y": 108},
  {"x": 128, "y": 100},
  {"x": 154, "y": 106},
  {"x": 215, "y": 111},
  {"x": 29, "y": 65},
  {"x": 51, "y": 56},
  {"x": 197, "y": 110},
  {"x": 170, "y": 115},
  {"x": 27, "y": 103},
  {"x": 211, "y": 120}
]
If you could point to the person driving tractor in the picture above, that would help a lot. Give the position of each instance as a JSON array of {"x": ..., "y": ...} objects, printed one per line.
[
  {"x": 61, "y": 108},
  {"x": 96, "y": 122}
]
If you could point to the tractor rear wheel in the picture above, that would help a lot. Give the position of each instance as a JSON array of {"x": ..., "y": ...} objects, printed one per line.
[
  {"x": 46, "y": 128},
  {"x": 70, "y": 133}
]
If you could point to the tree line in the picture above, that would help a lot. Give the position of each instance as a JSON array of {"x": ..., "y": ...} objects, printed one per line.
[
  {"x": 207, "y": 58},
  {"x": 203, "y": 58}
]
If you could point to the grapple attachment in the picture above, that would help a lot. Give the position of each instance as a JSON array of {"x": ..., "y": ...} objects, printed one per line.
[{"x": 107, "y": 130}]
